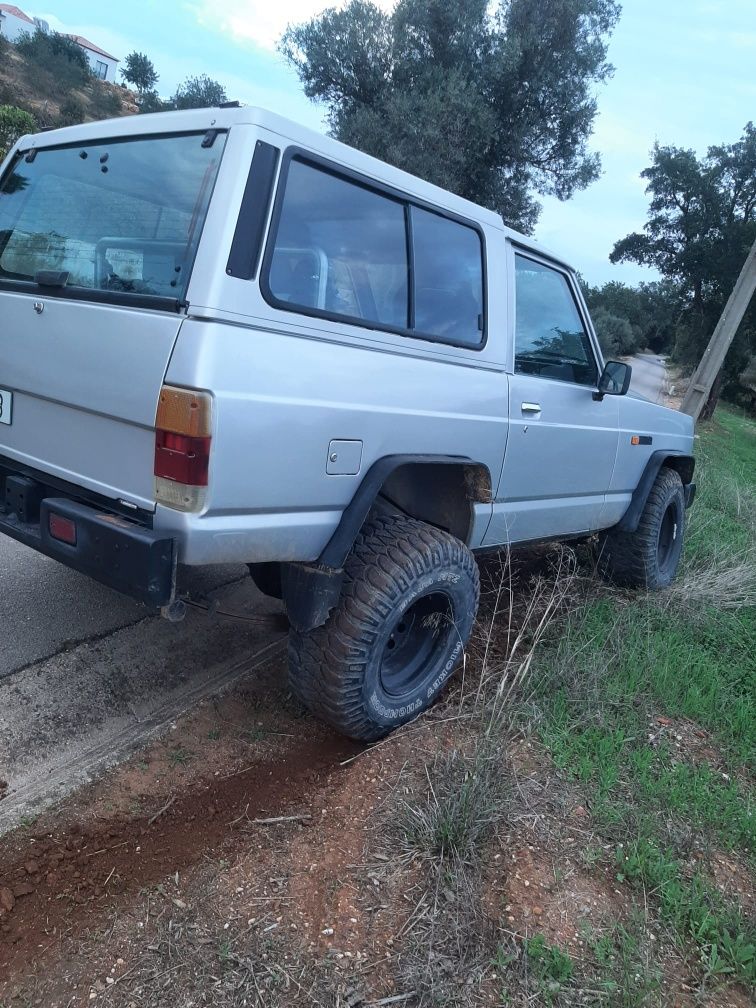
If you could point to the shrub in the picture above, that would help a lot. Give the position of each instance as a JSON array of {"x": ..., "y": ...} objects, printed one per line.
[
  {"x": 199, "y": 92},
  {"x": 72, "y": 112},
  {"x": 615, "y": 333},
  {"x": 59, "y": 55},
  {"x": 14, "y": 122},
  {"x": 105, "y": 101}
]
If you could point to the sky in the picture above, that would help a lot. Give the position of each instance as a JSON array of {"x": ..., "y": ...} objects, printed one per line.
[{"x": 685, "y": 75}]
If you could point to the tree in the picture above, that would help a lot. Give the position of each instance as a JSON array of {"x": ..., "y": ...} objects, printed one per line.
[
  {"x": 493, "y": 104},
  {"x": 150, "y": 101},
  {"x": 651, "y": 312},
  {"x": 701, "y": 225},
  {"x": 14, "y": 123},
  {"x": 140, "y": 71},
  {"x": 199, "y": 92}
]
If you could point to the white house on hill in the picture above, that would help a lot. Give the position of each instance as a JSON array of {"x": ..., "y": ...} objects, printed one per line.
[
  {"x": 14, "y": 23},
  {"x": 103, "y": 64}
]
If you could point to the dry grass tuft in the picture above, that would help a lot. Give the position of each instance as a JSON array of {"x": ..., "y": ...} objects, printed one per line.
[{"x": 727, "y": 581}]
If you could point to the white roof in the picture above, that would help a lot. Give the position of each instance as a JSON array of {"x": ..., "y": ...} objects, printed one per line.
[{"x": 291, "y": 133}]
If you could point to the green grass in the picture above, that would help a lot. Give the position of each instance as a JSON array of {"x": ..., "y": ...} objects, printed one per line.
[
  {"x": 618, "y": 662},
  {"x": 615, "y": 967}
]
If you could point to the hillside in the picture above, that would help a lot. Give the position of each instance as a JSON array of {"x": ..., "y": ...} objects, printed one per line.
[{"x": 55, "y": 90}]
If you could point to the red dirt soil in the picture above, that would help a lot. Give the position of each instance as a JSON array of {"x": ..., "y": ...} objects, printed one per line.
[{"x": 57, "y": 882}]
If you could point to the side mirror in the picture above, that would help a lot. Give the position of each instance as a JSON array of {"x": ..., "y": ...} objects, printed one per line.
[{"x": 614, "y": 380}]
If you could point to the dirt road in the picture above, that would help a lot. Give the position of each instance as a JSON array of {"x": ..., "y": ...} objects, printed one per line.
[{"x": 649, "y": 376}]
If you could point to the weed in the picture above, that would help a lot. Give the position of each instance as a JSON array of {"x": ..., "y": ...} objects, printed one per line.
[
  {"x": 623, "y": 967},
  {"x": 253, "y": 735},
  {"x": 461, "y": 803},
  {"x": 179, "y": 756},
  {"x": 693, "y": 908}
]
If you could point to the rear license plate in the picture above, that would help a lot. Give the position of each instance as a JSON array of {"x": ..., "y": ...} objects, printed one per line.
[{"x": 6, "y": 406}]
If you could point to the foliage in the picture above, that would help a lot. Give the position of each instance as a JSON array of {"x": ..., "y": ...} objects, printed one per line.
[
  {"x": 72, "y": 111},
  {"x": 198, "y": 92},
  {"x": 615, "y": 333},
  {"x": 139, "y": 70},
  {"x": 105, "y": 101},
  {"x": 629, "y": 319},
  {"x": 552, "y": 967},
  {"x": 485, "y": 100},
  {"x": 701, "y": 225},
  {"x": 59, "y": 55},
  {"x": 150, "y": 101},
  {"x": 14, "y": 123}
]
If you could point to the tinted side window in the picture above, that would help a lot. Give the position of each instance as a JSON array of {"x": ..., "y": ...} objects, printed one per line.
[
  {"x": 550, "y": 339},
  {"x": 341, "y": 249},
  {"x": 448, "y": 261}
]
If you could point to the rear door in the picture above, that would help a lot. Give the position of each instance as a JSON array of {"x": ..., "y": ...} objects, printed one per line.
[
  {"x": 97, "y": 241},
  {"x": 562, "y": 444}
]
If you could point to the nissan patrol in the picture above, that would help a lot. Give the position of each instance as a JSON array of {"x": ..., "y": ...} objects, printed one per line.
[{"x": 226, "y": 338}]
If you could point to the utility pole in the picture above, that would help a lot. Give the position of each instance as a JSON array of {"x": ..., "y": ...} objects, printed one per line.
[{"x": 702, "y": 381}]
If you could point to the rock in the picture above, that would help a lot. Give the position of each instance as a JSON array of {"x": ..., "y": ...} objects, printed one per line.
[
  {"x": 7, "y": 900},
  {"x": 32, "y": 867},
  {"x": 23, "y": 889}
]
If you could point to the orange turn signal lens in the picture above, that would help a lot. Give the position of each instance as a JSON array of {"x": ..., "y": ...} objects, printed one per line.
[
  {"x": 184, "y": 411},
  {"x": 635, "y": 439}
]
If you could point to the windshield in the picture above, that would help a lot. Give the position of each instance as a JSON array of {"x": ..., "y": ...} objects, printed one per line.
[{"x": 119, "y": 216}]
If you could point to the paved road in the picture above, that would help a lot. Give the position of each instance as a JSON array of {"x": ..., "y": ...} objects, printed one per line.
[
  {"x": 87, "y": 675},
  {"x": 46, "y": 608},
  {"x": 649, "y": 376}
]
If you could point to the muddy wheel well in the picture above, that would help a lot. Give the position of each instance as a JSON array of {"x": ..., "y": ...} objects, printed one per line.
[
  {"x": 436, "y": 490},
  {"x": 442, "y": 494},
  {"x": 684, "y": 465}
]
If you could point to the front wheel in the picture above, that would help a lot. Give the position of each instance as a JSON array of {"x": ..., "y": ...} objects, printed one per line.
[
  {"x": 649, "y": 557},
  {"x": 398, "y": 632}
]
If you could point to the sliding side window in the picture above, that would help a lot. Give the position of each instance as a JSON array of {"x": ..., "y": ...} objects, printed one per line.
[
  {"x": 340, "y": 250},
  {"x": 344, "y": 250}
]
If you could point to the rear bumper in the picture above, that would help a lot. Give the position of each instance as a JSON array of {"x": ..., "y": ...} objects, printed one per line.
[{"x": 136, "y": 561}]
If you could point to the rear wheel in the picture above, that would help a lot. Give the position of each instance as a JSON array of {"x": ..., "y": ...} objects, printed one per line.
[
  {"x": 404, "y": 616},
  {"x": 648, "y": 557}
]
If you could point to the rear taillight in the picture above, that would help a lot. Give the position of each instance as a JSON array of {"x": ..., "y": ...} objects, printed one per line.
[{"x": 182, "y": 448}]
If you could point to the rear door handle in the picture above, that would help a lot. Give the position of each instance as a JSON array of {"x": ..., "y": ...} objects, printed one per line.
[{"x": 531, "y": 407}]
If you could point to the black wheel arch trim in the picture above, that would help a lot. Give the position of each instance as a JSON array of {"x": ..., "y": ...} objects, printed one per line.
[
  {"x": 337, "y": 549},
  {"x": 681, "y": 463},
  {"x": 310, "y": 591}
]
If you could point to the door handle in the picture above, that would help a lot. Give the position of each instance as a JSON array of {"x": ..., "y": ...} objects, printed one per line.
[{"x": 531, "y": 407}]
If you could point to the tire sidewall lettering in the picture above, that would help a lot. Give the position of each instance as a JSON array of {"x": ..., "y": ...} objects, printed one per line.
[{"x": 388, "y": 710}]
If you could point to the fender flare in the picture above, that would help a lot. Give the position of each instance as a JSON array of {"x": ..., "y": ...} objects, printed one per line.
[
  {"x": 311, "y": 591},
  {"x": 337, "y": 549},
  {"x": 683, "y": 464}
]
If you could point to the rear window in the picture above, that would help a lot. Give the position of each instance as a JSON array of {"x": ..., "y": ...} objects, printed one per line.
[{"x": 118, "y": 216}]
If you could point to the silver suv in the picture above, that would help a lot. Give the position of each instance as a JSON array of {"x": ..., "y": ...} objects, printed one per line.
[{"x": 226, "y": 338}]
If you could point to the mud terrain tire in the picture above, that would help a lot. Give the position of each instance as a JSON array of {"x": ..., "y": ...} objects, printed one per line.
[
  {"x": 649, "y": 557},
  {"x": 399, "y": 630}
]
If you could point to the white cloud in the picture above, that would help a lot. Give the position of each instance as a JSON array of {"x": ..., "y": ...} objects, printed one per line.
[
  {"x": 117, "y": 45},
  {"x": 261, "y": 21}
]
